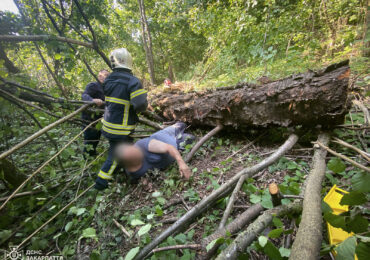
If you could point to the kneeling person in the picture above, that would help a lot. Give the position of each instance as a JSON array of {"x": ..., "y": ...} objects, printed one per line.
[{"x": 157, "y": 151}]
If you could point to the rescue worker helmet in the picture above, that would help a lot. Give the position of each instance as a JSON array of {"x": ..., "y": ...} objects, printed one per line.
[{"x": 121, "y": 58}]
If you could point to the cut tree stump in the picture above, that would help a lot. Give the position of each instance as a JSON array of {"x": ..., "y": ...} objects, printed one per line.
[{"x": 309, "y": 99}]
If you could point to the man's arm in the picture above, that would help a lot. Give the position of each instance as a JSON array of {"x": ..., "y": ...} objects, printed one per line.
[
  {"x": 156, "y": 146},
  {"x": 86, "y": 95}
]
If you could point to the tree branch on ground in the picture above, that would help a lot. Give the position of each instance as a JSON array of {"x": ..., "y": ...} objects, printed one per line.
[
  {"x": 204, "y": 139},
  {"x": 245, "y": 238},
  {"x": 344, "y": 157},
  {"x": 308, "y": 239}
]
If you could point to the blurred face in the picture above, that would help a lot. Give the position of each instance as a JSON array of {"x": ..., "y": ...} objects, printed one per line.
[
  {"x": 129, "y": 155},
  {"x": 103, "y": 75}
]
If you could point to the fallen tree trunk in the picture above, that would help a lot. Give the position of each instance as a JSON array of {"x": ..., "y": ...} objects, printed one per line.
[
  {"x": 215, "y": 195},
  {"x": 308, "y": 239},
  {"x": 308, "y": 99}
]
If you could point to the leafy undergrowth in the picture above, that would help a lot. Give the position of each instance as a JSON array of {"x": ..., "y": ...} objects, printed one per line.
[{"x": 88, "y": 229}]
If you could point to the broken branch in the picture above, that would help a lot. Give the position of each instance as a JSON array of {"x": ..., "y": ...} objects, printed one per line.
[
  {"x": 204, "y": 139},
  {"x": 41, "y": 132},
  {"x": 343, "y": 157}
]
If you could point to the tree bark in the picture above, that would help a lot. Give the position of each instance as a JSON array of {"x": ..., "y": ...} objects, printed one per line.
[
  {"x": 237, "y": 224},
  {"x": 9, "y": 65},
  {"x": 308, "y": 99},
  {"x": 147, "y": 41},
  {"x": 308, "y": 239},
  {"x": 244, "y": 239}
]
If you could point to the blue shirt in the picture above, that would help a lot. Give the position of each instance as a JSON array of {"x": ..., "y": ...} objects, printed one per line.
[{"x": 156, "y": 160}]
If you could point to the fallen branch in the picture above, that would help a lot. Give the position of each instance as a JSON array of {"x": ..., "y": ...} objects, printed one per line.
[
  {"x": 67, "y": 184},
  {"x": 215, "y": 195},
  {"x": 236, "y": 225},
  {"x": 46, "y": 163},
  {"x": 33, "y": 38},
  {"x": 175, "y": 247},
  {"x": 344, "y": 157},
  {"x": 22, "y": 194},
  {"x": 204, "y": 139},
  {"x": 364, "y": 110},
  {"x": 124, "y": 231},
  {"x": 53, "y": 217},
  {"x": 41, "y": 132},
  {"x": 19, "y": 100},
  {"x": 230, "y": 205},
  {"x": 308, "y": 239},
  {"x": 245, "y": 238},
  {"x": 362, "y": 153},
  {"x": 148, "y": 122}
]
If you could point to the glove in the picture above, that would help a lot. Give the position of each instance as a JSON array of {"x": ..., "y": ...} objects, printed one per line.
[{"x": 101, "y": 184}]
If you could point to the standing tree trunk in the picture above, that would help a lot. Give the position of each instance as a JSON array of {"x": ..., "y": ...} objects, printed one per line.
[{"x": 147, "y": 41}]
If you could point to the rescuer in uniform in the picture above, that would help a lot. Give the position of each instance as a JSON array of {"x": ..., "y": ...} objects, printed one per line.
[{"x": 124, "y": 98}]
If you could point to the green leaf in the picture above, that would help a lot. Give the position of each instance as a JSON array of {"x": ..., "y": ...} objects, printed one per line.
[
  {"x": 136, "y": 222},
  {"x": 144, "y": 229},
  {"x": 275, "y": 233},
  {"x": 262, "y": 240},
  {"x": 363, "y": 251},
  {"x": 336, "y": 165},
  {"x": 89, "y": 233},
  {"x": 325, "y": 207},
  {"x": 156, "y": 194},
  {"x": 132, "y": 253},
  {"x": 255, "y": 198},
  {"x": 57, "y": 56},
  {"x": 68, "y": 226},
  {"x": 219, "y": 240},
  {"x": 335, "y": 220},
  {"x": 284, "y": 252},
  {"x": 360, "y": 182},
  {"x": 346, "y": 249},
  {"x": 358, "y": 224},
  {"x": 353, "y": 198},
  {"x": 80, "y": 211},
  {"x": 271, "y": 251}
]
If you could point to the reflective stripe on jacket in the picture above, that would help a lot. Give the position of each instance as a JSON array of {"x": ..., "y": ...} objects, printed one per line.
[{"x": 124, "y": 98}]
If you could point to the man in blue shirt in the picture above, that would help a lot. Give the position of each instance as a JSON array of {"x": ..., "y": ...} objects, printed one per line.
[
  {"x": 157, "y": 151},
  {"x": 93, "y": 92}
]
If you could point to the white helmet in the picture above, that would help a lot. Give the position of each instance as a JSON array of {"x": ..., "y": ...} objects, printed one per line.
[{"x": 121, "y": 58}]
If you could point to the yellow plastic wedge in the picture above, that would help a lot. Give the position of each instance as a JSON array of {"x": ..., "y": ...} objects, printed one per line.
[{"x": 336, "y": 235}]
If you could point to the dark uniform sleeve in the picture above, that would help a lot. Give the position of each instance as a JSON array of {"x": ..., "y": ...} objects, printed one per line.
[
  {"x": 89, "y": 91},
  {"x": 138, "y": 96}
]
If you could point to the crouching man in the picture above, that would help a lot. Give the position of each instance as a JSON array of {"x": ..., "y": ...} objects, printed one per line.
[{"x": 157, "y": 151}]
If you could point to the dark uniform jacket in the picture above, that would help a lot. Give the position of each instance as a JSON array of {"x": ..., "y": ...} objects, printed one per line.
[
  {"x": 124, "y": 98},
  {"x": 93, "y": 90}
]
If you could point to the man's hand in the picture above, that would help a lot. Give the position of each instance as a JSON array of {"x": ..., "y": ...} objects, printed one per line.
[
  {"x": 98, "y": 101},
  {"x": 185, "y": 171}
]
